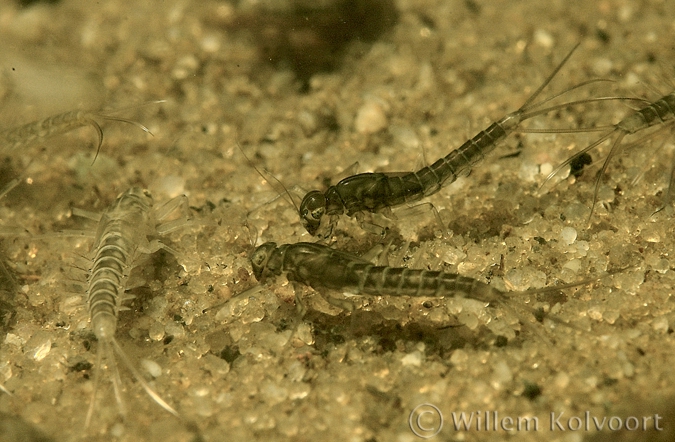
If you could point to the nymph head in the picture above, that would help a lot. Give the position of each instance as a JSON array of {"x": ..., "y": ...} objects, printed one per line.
[
  {"x": 260, "y": 257},
  {"x": 135, "y": 198},
  {"x": 312, "y": 209}
]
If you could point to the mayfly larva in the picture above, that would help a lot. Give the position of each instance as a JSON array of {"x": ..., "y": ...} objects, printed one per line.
[
  {"x": 320, "y": 266},
  {"x": 372, "y": 192},
  {"x": 30, "y": 133},
  {"x": 122, "y": 235},
  {"x": 661, "y": 111}
]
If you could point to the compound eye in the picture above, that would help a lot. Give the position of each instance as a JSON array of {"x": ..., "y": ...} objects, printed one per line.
[
  {"x": 318, "y": 213},
  {"x": 313, "y": 206},
  {"x": 258, "y": 258}
]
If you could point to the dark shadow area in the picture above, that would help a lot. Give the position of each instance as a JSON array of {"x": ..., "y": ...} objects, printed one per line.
[
  {"x": 14, "y": 429},
  {"x": 311, "y": 40},
  {"x": 391, "y": 335},
  {"x": 27, "y": 3},
  {"x": 8, "y": 289}
]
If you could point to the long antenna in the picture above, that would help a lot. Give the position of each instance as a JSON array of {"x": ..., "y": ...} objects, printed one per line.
[{"x": 297, "y": 209}]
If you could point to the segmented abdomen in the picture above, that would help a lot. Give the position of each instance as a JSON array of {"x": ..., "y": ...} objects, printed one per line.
[
  {"x": 121, "y": 228},
  {"x": 375, "y": 191},
  {"x": 107, "y": 280},
  {"x": 320, "y": 266},
  {"x": 461, "y": 160},
  {"x": 28, "y": 133},
  {"x": 660, "y": 111},
  {"x": 398, "y": 281}
]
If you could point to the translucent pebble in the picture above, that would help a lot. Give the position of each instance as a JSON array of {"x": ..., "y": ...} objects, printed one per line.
[
  {"x": 156, "y": 331},
  {"x": 582, "y": 248},
  {"x": 157, "y": 307},
  {"x": 255, "y": 313},
  {"x": 611, "y": 342},
  {"x": 152, "y": 367},
  {"x": 501, "y": 328},
  {"x": 468, "y": 319},
  {"x": 438, "y": 316},
  {"x": 660, "y": 324},
  {"x": 296, "y": 371},
  {"x": 175, "y": 329},
  {"x": 545, "y": 169},
  {"x": 236, "y": 332},
  {"x": 276, "y": 340},
  {"x": 627, "y": 367},
  {"x": 232, "y": 309},
  {"x": 135, "y": 333},
  {"x": 202, "y": 405},
  {"x": 216, "y": 366},
  {"x": 270, "y": 301},
  {"x": 606, "y": 193},
  {"x": 602, "y": 67},
  {"x": 255, "y": 351},
  {"x": 595, "y": 313},
  {"x": 406, "y": 136},
  {"x": 573, "y": 265},
  {"x": 453, "y": 306},
  {"x": 568, "y": 235},
  {"x": 370, "y": 118},
  {"x": 516, "y": 278},
  {"x": 629, "y": 281},
  {"x": 11, "y": 338},
  {"x": 632, "y": 333},
  {"x": 169, "y": 185},
  {"x": 413, "y": 359},
  {"x": 466, "y": 267},
  {"x": 41, "y": 351},
  {"x": 614, "y": 370},
  {"x": 626, "y": 15},
  {"x": 528, "y": 171},
  {"x": 591, "y": 381},
  {"x": 459, "y": 358},
  {"x": 308, "y": 121},
  {"x": 622, "y": 253},
  {"x": 5, "y": 371},
  {"x": 36, "y": 299},
  {"x": 71, "y": 304},
  {"x": 426, "y": 78},
  {"x": 652, "y": 233},
  {"x": 117, "y": 430},
  {"x": 523, "y": 279},
  {"x": 453, "y": 256},
  {"x": 610, "y": 316},
  {"x": 210, "y": 43},
  {"x": 273, "y": 393},
  {"x": 543, "y": 38},
  {"x": 501, "y": 373},
  {"x": 185, "y": 66},
  {"x": 39, "y": 345},
  {"x": 299, "y": 391},
  {"x": 657, "y": 263},
  {"x": 568, "y": 276},
  {"x": 561, "y": 380}
]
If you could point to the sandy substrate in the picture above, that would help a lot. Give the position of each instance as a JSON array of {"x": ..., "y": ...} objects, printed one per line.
[{"x": 412, "y": 82}]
